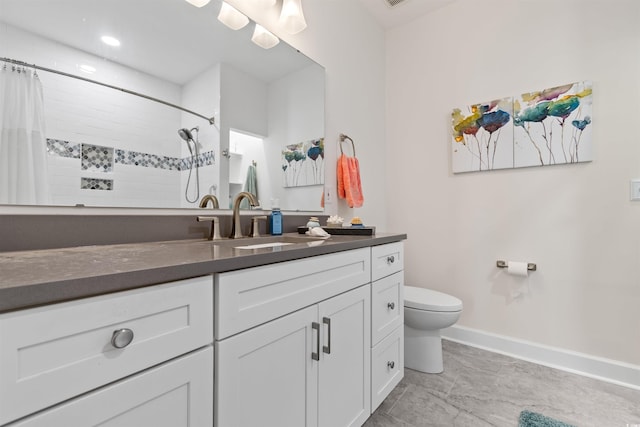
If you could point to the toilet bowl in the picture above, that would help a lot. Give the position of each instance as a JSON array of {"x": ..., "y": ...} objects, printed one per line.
[{"x": 426, "y": 312}]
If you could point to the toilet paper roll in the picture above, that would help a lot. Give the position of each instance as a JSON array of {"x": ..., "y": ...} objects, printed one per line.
[{"x": 517, "y": 268}]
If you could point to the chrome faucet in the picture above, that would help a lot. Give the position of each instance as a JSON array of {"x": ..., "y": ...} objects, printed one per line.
[
  {"x": 236, "y": 231},
  {"x": 209, "y": 198}
]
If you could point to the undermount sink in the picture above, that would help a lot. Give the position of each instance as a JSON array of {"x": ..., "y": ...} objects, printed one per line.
[
  {"x": 264, "y": 245},
  {"x": 268, "y": 242}
]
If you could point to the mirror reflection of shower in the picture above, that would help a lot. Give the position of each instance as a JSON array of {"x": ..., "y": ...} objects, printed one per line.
[{"x": 187, "y": 136}]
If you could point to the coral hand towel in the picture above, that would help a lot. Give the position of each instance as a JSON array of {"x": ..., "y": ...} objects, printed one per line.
[{"x": 349, "y": 185}]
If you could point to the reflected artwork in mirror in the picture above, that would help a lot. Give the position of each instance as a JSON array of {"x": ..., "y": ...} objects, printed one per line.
[{"x": 183, "y": 106}]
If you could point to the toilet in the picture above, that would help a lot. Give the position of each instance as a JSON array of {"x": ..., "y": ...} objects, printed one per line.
[{"x": 426, "y": 312}]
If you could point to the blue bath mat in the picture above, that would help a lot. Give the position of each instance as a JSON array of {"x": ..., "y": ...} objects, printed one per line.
[{"x": 533, "y": 419}]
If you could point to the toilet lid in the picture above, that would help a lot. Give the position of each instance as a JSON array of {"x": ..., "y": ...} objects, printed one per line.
[{"x": 427, "y": 299}]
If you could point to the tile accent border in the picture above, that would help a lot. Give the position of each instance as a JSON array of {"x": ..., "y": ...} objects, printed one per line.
[
  {"x": 609, "y": 370},
  {"x": 58, "y": 147},
  {"x": 98, "y": 161}
]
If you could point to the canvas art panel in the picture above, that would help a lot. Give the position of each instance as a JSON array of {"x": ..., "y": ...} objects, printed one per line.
[
  {"x": 483, "y": 136},
  {"x": 553, "y": 126},
  {"x": 303, "y": 163}
]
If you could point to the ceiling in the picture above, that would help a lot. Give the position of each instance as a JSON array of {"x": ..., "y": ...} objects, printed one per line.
[
  {"x": 404, "y": 11},
  {"x": 169, "y": 39}
]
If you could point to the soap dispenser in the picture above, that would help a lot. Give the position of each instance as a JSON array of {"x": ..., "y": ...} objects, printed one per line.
[{"x": 275, "y": 219}]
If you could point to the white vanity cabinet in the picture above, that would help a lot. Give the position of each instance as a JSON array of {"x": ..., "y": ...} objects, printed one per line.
[
  {"x": 69, "y": 352},
  {"x": 387, "y": 320},
  {"x": 311, "y": 365}
]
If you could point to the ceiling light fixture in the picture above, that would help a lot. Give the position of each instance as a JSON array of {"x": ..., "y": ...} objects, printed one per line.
[
  {"x": 291, "y": 16},
  {"x": 198, "y": 3},
  {"x": 264, "y": 38},
  {"x": 111, "y": 41},
  {"x": 231, "y": 17}
]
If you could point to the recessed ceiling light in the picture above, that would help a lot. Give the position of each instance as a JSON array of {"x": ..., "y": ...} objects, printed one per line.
[
  {"x": 87, "y": 68},
  {"x": 111, "y": 41}
]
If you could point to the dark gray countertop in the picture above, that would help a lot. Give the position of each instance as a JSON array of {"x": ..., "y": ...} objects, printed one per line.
[{"x": 31, "y": 278}]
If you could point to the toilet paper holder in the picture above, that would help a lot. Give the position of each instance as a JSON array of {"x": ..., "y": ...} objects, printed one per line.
[{"x": 503, "y": 264}]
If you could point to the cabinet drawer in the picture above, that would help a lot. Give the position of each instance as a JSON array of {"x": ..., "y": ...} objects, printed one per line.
[
  {"x": 387, "y": 366},
  {"x": 250, "y": 297},
  {"x": 386, "y": 260},
  {"x": 52, "y": 353},
  {"x": 178, "y": 393},
  {"x": 387, "y": 305}
]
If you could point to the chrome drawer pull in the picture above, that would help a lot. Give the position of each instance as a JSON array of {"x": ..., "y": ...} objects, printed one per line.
[
  {"x": 316, "y": 327},
  {"x": 391, "y": 364},
  {"x": 327, "y": 348},
  {"x": 391, "y": 259},
  {"x": 121, "y": 337},
  {"x": 391, "y": 305}
]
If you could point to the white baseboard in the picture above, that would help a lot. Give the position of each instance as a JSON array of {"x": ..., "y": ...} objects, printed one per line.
[{"x": 613, "y": 371}]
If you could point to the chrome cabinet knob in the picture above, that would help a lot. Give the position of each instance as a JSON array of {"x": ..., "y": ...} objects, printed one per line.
[
  {"x": 391, "y": 305},
  {"x": 391, "y": 259},
  {"x": 391, "y": 364},
  {"x": 121, "y": 337}
]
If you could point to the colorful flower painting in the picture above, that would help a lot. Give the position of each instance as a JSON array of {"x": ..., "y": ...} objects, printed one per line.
[
  {"x": 553, "y": 126},
  {"x": 547, "y": 127},
  {"x": 303, "y": 163},
  {"x": 483, "y": 136}
]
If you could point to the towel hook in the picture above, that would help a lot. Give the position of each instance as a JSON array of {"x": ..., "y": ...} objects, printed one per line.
[{"x": 353, "y": 145}]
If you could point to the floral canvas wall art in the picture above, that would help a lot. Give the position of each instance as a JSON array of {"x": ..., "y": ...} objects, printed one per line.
[
  {"x": 547, "y": 127},
  {"x": 303, "y": 163},
  {"x": 553, "y": 126},
  {"x": 483, "y": 136}
]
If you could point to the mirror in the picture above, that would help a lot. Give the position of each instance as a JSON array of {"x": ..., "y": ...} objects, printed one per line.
[{"x": 111, "y": 148}]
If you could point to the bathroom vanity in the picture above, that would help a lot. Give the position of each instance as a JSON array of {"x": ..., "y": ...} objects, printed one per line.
[{"x": 293, "y": 332}]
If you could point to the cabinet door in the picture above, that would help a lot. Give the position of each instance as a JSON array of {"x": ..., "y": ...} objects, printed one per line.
[
  {"x": 345, "y": 376},
  {"x": 266, "y": 376},
  {"x": 176, "y": 394}
]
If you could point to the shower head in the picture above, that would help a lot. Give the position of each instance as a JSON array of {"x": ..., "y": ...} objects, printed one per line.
[{"x": 185, "y": 134}]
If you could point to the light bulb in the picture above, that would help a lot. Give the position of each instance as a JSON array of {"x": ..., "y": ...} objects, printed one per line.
[
  {"x": 291, "y": 16},
  {"x": 231, "y": 17},
  {"x": 264, "y": 38}
]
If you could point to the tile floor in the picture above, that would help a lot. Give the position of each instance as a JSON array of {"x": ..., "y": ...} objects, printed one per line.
[{"x": 479, "y": 388}]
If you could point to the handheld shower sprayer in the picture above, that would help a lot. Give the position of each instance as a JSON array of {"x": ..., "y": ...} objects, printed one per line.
[
  {"x": 187, "y": 136},
  {"x": 186, "y": 133}
]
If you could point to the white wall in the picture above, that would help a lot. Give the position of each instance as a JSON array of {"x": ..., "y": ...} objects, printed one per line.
[
  {"x": 575, "y": 221},
  {"x": 243, "y": 107},
  {"x": 296, "y": 112},
  {"x": 343, "y": 38},
  {"x": 202, "y": 94}
]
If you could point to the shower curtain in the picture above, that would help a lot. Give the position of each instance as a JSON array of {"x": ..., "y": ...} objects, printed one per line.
[{"x": 23, "y": 145}]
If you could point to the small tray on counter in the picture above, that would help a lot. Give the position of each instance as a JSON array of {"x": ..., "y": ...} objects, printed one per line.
[{"x": 352, "y": 231}]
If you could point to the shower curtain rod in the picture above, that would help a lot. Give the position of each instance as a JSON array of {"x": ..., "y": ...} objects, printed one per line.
[{"x": 211, "y": 120}]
